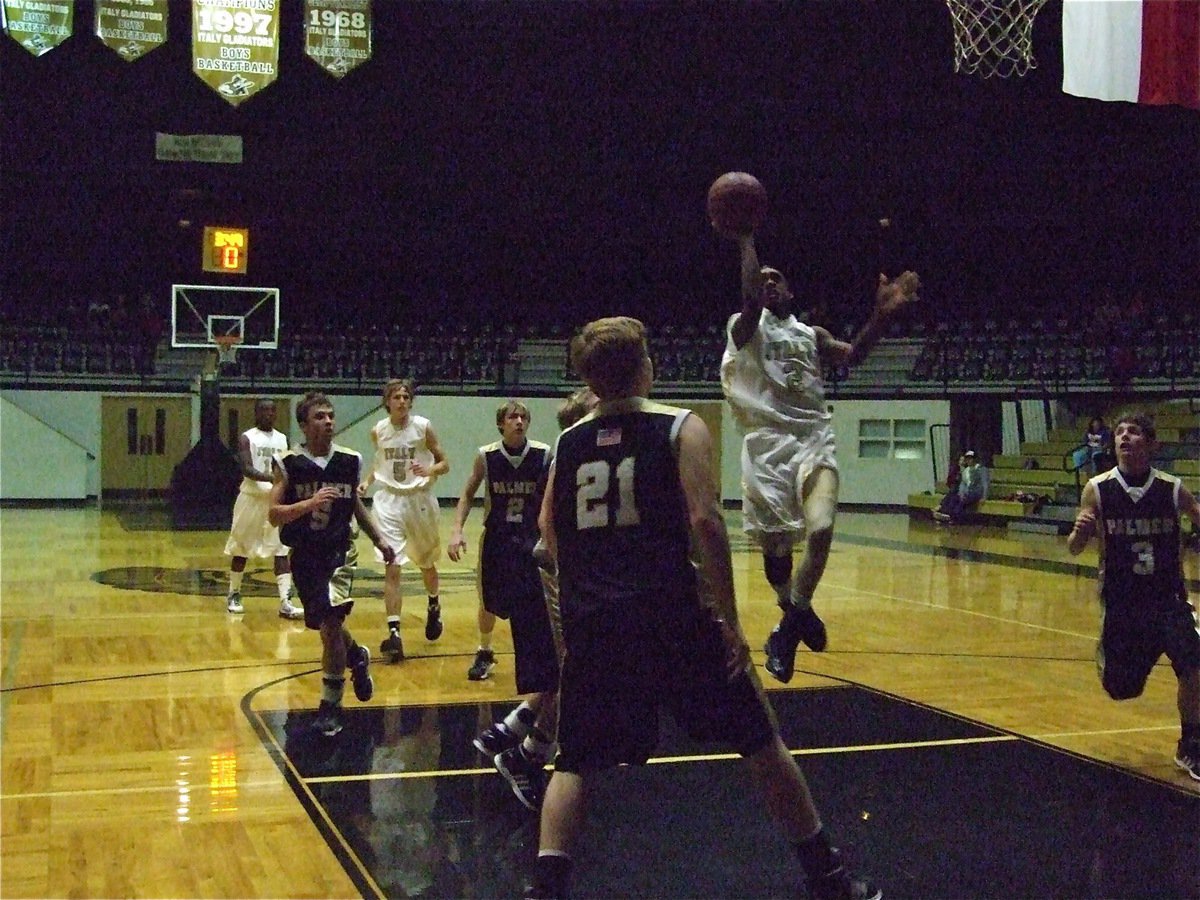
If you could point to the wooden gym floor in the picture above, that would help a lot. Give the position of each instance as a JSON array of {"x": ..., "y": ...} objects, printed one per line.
[{"x": 955, "y": 734}]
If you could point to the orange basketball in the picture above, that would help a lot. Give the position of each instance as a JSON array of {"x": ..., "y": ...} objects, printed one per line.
[{"x": 737, "y": 203}]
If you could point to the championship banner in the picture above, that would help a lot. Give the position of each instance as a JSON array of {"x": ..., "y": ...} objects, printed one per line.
[
  {"x": 235, "y": 45},
  {"x": 337, "y": 34},
  {"x": 131, "y": 27},
  {"x": 38, "y": 25}
]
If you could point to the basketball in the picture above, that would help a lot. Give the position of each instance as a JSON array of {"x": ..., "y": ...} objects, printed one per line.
[{"x": 737, "y": 203}]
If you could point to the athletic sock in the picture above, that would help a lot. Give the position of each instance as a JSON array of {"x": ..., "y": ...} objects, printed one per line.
[
  {"x": 394, "y": 624},
  {"x": 235, "y": 582},
  {"x": 285, "y": 585},
  {"x": 520, "y": 720},
  {"x": 433, "y": 601},
  {"x": 537, "y": 747},
  {"x": 331, "y": 689},
  {"x": 801, "y": 602},
  {"x": 485, "y": 641}
]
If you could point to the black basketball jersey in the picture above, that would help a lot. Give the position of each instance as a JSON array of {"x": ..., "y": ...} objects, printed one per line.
[
  {"x": 620, "y": 515},
  {"x": 511, "y": 481},
  {"x": 1140, "y": 558},
  {"x": 324, "y": 528}
]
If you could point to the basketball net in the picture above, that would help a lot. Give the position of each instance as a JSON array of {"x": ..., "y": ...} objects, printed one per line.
[
  {"x": 994, "y": 37},
  {"x": 227, "y": 345}
]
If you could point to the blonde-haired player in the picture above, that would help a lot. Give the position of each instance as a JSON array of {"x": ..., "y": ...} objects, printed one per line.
[{"x": 408, "y": 460}]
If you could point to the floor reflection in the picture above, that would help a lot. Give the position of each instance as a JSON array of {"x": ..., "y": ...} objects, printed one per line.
[{"x": 933, "y": 805}]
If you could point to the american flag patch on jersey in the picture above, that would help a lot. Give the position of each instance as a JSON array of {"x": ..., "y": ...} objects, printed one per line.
[{"x": 608, "y": 437}]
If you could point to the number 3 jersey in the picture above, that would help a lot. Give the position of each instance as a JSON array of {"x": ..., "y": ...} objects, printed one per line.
[
  {"x": 620, "y": 516},
  {"x": 329, "y": 526},
  {"x": 1140, "y": 559}
]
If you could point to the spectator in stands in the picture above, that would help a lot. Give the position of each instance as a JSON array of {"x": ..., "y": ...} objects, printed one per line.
[
  {"x": 954, "y": 476},
  {"x": 1098, "y": 438},
  {"x": 972, "y": 488}
]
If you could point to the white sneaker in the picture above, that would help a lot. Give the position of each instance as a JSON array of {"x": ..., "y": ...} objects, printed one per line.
[
  {"x": 288, "y": 611},
  {"x": 233, "y": 603}
]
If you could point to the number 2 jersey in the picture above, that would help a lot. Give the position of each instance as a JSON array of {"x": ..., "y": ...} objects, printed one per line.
[
  {"x": 330, "y": 526},
  {"x": 1140, "y": 559},
  {"x": 620, "y": 516},
  {"x": 510, "y": 489},
  {"x": 507, "y": 570}
]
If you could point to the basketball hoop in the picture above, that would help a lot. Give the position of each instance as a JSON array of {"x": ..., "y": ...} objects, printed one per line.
[
  {"x": 227, "y": 345},
  {"x": 994, "y": 37}
]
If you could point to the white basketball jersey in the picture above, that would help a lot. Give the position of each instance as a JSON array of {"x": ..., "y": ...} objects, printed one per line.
[
  {"x": 774, "y": 381},
  {"x": 396, "y": 449},
  {"x": 264, "y": 446}
]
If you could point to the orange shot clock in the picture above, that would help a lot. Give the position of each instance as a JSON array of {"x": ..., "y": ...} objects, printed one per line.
[{"x": 225, "y": 249}]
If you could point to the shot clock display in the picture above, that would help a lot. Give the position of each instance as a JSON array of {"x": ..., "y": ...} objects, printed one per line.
[{"x": 226, "y": 249}]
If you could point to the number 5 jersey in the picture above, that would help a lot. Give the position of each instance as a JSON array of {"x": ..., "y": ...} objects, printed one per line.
[{"x": 329, "y": 526}]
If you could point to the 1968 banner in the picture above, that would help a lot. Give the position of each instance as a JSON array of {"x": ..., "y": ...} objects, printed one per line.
[{"x": 337, "y": 34}]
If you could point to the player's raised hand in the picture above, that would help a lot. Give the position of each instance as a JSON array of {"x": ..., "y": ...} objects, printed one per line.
[{"x": 891, "y": 294}]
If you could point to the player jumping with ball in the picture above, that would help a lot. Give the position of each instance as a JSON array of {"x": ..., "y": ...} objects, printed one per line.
[{"x": 771, "y": 373}]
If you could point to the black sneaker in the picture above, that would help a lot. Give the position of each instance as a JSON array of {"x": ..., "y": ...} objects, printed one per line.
[
  {"x": 496, "y": 739},
  {"x": 1187, "y": 757},
  {"x": 433, "y": 622},
  {"x": 525, "y": 776},
  {"x": 811, "y": 629},
  {"x": 392, "y": 648},
  {"x": 329, "y": 719},
  {"x": 360, "y": 672},
  {"x": 841, "y": 885},
  {"x": 485, "y": 661},
  {"x": 781, "y": 651}
]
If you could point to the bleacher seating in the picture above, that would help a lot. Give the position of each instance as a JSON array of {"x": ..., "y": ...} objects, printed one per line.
[
  {"x": 1054, "y": 354},
  {"x": 1043, "y": 473}
]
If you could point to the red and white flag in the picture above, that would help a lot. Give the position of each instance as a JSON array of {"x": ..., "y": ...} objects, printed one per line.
[{"x": 1142, "y": 51}]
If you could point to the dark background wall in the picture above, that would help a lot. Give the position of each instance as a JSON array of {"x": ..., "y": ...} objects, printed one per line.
[{"x": 548, "y": 161}]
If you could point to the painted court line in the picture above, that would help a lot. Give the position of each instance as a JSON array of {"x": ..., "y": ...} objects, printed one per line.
[{"x": 660, "y": 760}]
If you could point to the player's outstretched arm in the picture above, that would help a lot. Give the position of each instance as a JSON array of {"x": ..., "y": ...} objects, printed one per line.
[
  {"x": 441, "y": 465},
  {"x": 546, "y": 517},
  {"x": 246, "y": 461},
  {"x": 746, "y": 322},
  {"x": 458, "y": 542},
  {"x": 370, "y": 476},
  {"x": 1085, "y": 520},
  {"x": 890, "y": 296},
  {"x": 1190, "y": 506}
]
